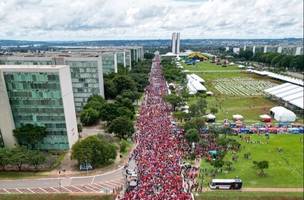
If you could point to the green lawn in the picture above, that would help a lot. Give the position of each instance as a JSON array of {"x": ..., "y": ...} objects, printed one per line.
[
  {"x": 285, "y": 168},
  {"x": 54, "y": 197},
  {"x": 207, "y": 66},
  {"x": 232, "y": 195},
  {"x": 250, "y": 107}
]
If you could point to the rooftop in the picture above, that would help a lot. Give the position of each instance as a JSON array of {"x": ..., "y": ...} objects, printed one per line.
[{"x": 8, "y": 67}]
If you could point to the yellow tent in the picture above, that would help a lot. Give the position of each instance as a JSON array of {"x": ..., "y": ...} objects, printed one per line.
[{"x": 198, "y": 55}]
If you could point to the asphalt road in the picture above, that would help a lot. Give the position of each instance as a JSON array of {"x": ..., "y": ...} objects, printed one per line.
[{"x": 105, "y": 183}]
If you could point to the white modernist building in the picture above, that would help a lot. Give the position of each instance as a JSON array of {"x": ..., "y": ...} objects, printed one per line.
[
  {"x": 41, "y": 95},
  {"x": 175, "y": 43}
]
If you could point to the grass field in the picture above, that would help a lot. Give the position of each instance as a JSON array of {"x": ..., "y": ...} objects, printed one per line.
[
  {"x": 231, "y": 195},
  {"x": 285, "y": 168},
  {"x": 54, "y": 197},
  {"x": 250, "y": 107},
  {"x": 207, "y": 66}
]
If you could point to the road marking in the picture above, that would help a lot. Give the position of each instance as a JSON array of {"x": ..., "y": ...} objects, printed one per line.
[
  {"x": 6, "y": 190},
  {"x": 93, "y": 188},
  {"x": 88, "y": 188},
  {"x": 65, "y": 189},
  {"x": 93, "y": 180},
  {"x": 77, "y": 188},
  {"x": 54, "y": 189},
  {"x": 44, "y": 190},
  {"x": 31, "y": 190},
  {"x": 102, "y": 186},
  {"x": 19, "y": 190}
]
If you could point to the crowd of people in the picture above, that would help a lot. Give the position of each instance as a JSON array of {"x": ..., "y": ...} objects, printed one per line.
[{"x": 158, "y": 154}]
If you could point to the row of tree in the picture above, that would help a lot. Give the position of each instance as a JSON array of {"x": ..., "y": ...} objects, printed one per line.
[
  {"x": 172, "y": 73},
  {"x": 134, "y": 80},
  {"x": 19, "y": 157},
  {"x": 125, "y": 88},
  {"x": 277, "y": 60}
]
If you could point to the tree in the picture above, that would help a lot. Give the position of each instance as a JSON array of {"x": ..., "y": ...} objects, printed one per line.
[
  {"x": 109, "y": 112},
  {"x": 124, "y": 102},
  {"x": 93, "y": 150},
  {"x": 89, "y": 116},
  {"x": 261, "y": 165},
  {"x": 179, "y": 115},
  {"x": 218, "y": 163},
  {"x": 192, "y": 136},
  {"x": 110, "y": 89},
  {"x": 94, "y": 104},
  {"x": 174, "y": 100},
  {"x": 30, "y": 134},
  {"x": 97, "y": 98},
  {"x": 195, "y": 123},
  {"x": 148, "y": 55},
  {"x": 121, "y": 127},
  {"x": 132, "y": 95},
  {"x": 36, "y": 158},
  {"x": 199, "y": 108},
  {"x": 4, "y": 157},
  {"x": 125, "y": 112},
  {"x": 19, "y": 156},
  {"x": 123, "y": 83}
]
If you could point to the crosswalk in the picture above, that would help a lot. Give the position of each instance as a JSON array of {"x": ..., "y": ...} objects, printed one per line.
[{"x": 107, "y": 187}]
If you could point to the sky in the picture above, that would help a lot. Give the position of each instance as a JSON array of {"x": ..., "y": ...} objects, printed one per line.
[{"x": 149, "y": 19}]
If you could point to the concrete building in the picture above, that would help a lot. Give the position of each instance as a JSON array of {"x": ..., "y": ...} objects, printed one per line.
[
  {"x": 40, "y": 95},
  {"x": 86, "y": 71},
  {"x": 175, "y": 43}
]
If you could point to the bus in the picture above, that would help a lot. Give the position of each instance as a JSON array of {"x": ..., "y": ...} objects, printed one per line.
[{"x": 226, "y": 184}]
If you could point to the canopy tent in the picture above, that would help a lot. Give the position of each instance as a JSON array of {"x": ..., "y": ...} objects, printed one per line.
[
  {"x": 197, "y": 78},
  {"x": 237, "y": 117},
  {"x": 265, "y": 118},
  {"x": 209, "y": 93},
  {"x": 210, "y": 118},
  {"x": 282, "y": 114}
]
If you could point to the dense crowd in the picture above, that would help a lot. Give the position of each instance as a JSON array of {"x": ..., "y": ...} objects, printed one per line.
[{"x": 158, "y": 152}]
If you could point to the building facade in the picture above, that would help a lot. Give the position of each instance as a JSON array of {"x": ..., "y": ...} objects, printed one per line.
[
  {"x": 40, "y": 95},
  {"x": 86, "y": 72}
]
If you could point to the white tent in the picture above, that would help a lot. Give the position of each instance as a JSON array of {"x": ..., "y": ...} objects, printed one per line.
[
  {"x": 282, "y": 114},
  {"x": 237, "y": 117},
  {"x": 210, "y": 116},
  {"x": 209, "y": 93},
  {"x": 265, "y": 116}
]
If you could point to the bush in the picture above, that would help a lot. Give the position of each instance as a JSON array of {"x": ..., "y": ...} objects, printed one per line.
[{"x": 123, "y": 146}]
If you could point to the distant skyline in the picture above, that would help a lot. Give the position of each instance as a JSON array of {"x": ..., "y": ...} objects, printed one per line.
[{"x": 52, "y": 20}]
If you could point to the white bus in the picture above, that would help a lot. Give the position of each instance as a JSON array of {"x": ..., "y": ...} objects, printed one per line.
[{"x": 226, "y": 184}]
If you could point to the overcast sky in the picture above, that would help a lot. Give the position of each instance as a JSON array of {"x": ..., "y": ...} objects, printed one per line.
[{"x": 149, "y": 19}]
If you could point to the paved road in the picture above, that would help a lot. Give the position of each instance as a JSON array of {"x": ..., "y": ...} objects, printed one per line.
[
  {"x": 263, "y": 190},
  {"x": 104, "y": 183}
]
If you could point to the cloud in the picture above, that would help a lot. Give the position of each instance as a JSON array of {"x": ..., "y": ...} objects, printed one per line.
[{"x": 148, "y": 19}]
